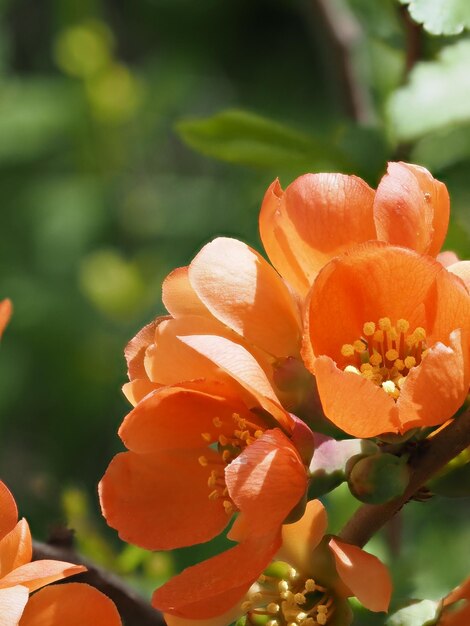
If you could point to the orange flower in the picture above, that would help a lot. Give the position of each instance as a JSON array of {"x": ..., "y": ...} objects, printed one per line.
[
  {"x": 252, "y": 293},
  {"x": 73, "y": 604},
  {"x": 307, "y": 584},
  {"x": 319, "y": 216},
  {"x": 192, "y": 448},
  {"x": 387, "y": 338},
  {"x": 5, "y": 314},
  {"x": 456, "y": 606}
]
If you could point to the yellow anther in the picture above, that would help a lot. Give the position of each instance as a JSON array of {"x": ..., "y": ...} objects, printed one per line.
[
  {"x": 301, "y": 617},
  {"x": 223, "y": 440},
  {"x": 385, "y": 323},
  {"x": 203, "y": 461},
  {"x": 347, "y": 350},
  {"x": 217, "y": 422},
  {"x": 419, "y": 333},
  {"x": 258, "y": 434},
  {"x": 399, "y": 364},
  {"x": 400, "y": 382},
  {"x": 379, "y": 336},
  {"x": 359, "y": 346},
  {"x": 391, "y": 355},
  {"x": 322, "y": 608},
  {"x": 300, "y": 598},
  {"x": 283, "y": 585},
  {"x": 207, "y": 437},
  {"x": 214, "y": 495},
  {"x": 310, "y": 585},
  {"x": 228, "y": 506},
  {"x": 247, "y": 606},
  {"x": 226, "y": 455},
  {"x": 322, "y": 618},
  {"x": 256, "y": 597},
  {"x": 212, "y": 480},
  {"x": 244, "y": 435},
  {"x": 352, "y": 369},
  {"x": 410, "y": 362},
  {"x": 403, "y": 326},
  {"x": 273, "y": 608},
  {"x": 272, "y": 622},
  {"x": 375, "y": 359},
  {"x": 368, "y": 329}
]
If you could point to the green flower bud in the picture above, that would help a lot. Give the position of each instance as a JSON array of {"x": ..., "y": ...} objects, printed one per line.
[{"x": 378, "y": 478}]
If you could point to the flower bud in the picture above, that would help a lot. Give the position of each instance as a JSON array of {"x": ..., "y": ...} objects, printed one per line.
[{"x": 378, "y": 478}]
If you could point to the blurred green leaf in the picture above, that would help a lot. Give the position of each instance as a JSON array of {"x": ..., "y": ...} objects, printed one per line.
[
  {"x": 443, "y": 148},
  {"x": 35, "y": 116},
  {"x": 422, "y": 613},
  {"x": 247, "y": 139},
  {"x": 440, "y": 17},
  {"x": 435, "y": 97}
]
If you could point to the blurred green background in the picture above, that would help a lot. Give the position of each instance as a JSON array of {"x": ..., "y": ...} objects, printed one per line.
[{"x": 131, "y": 134}]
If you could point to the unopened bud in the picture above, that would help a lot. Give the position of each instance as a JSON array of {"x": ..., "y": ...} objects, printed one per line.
[{"x": 378, "y": 478}]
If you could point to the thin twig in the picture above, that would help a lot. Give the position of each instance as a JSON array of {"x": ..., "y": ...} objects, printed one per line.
[
  {"x": 343, "y": 33},
  {"x": 135, "y": 610},
  {"x": 429, "y": 458}
]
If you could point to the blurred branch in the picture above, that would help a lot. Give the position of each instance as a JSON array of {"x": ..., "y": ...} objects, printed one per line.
[
  {"x": 135, "y": 610},
  {"x": 414, "y": 40},
  {"x": 429, "y": 457},
  {"x": 343, "y": 32}
]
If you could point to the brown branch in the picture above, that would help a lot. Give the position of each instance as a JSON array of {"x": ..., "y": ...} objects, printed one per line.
[
  {"x": 343, "y": 32},
  {"x": 414, "y": 40},
  {"x": 428, "y": 459},
  {"x": 135, "y": 610}
]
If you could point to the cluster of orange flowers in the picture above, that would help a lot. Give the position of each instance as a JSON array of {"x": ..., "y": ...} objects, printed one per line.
[{"x": 356, "y": 311}]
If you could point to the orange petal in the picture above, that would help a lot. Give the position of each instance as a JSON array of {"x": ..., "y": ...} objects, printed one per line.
[
  {"x": 71, "y": 604},
  {"x": 301, "y": 538},
  {"x": 5, "y": 314},
  {"x": 447, "y": 258},
  {"x": 235, "y": 360},
  {"x": 462, "y": 592},
  {"x": 243, "y": 291},
  {"x": 411, "y": 208},
  {"x": 179, "y": 296},
  {"x": 39, "y": 573},
  {"x": 317, "y": 217},
  {"x": 215, "y": 586},
  {"x": 15, "y": 548},
  {"x": 161, "y": 502},
  {"x": 354, "y": 404},
  {"x": 177, "y": 417},
  {"x": 170, "y": 361},
  {"x": 266, "y": 481},
  {"x": 377, "y": 280},
  {"x": 462, "y": 270},
  {"x": 450, "y": 310},
  {"x": 434, "y": 390},
  {"x": 12, "y": 603},
  {"x": 135, "y": 349},
  {"x": 8, "y": 510},
  {"x": 364, "y": 574},
  {"x": 460, "y": 617},
  {"x": 135, "y": 390}
]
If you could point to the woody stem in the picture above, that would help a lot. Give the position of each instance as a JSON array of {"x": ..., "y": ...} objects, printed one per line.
[{"x": 426, "y": 461}]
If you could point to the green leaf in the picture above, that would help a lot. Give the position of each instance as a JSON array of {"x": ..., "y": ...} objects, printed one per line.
[
  {"x": 248, "y": 139},
  {"x": 440, "y": 17},
  {"x": 424, "y": 613},
  {"x": 435, "y": 97}
]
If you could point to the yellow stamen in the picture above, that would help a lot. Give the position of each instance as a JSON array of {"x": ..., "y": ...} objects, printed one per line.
[
  {"x": 347, "y": 349},
  {"x": 410, "y": 362},
  {"x": 359, "y": 346},
  {"x": 217, "y": 422},
  {"x": 385, "y": 323},
  {"x": 368, "y": 329},
  {"x": 203, "y": 461},
  {"x": 207, "y": 437},
  {"x": 391, "y": 355},
  {"x": 352, "y": 369},
  {"x": 376, "y": 359}
]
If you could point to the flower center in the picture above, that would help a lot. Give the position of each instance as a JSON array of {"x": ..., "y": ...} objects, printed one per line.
[
  {"x": 385, "y": 353},
  {"x": 287, "y": 599},
  {"x": 229, "y": 445}
]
